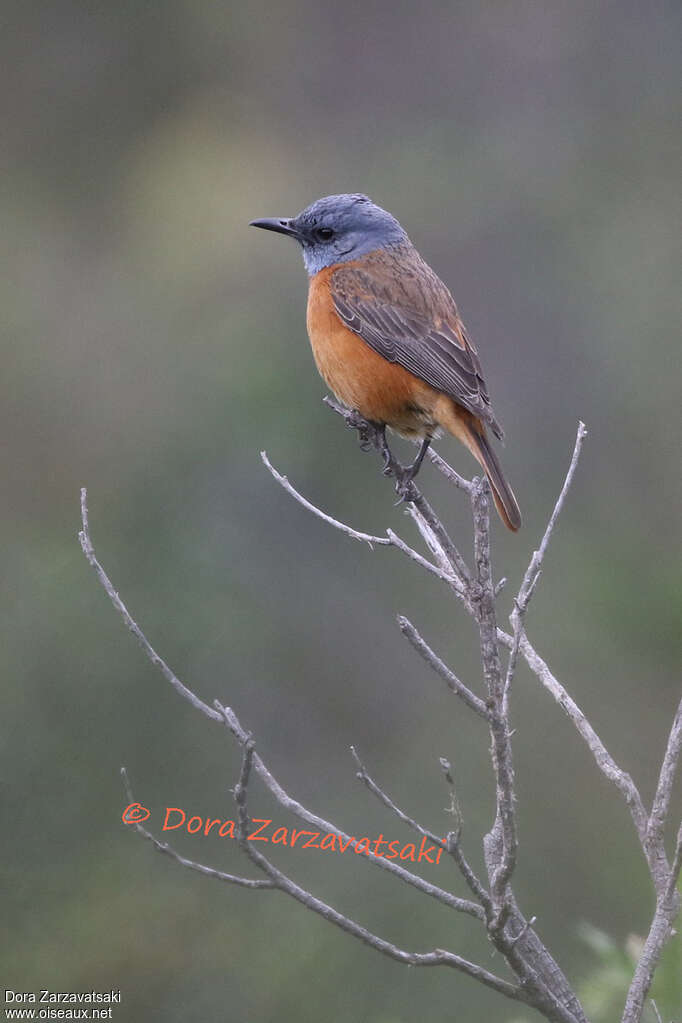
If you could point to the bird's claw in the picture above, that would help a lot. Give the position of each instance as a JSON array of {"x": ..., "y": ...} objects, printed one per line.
[
  {"x": 373, "y": 435},
  {"x": 406, "y": 490},
  {"x": 354, "y": 421}
]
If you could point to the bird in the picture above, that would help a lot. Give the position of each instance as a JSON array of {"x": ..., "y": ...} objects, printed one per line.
[{"x": 386, "y": 334}]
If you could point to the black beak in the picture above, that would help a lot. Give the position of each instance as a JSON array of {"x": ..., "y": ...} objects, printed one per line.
[{"x": 279, "y": 224}]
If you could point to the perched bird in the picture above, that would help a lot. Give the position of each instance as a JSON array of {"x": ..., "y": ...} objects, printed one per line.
[{"x": 386, "y": 334}]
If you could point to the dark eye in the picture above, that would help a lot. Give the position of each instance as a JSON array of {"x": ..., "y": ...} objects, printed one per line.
[{"x": 324, "y": 234}]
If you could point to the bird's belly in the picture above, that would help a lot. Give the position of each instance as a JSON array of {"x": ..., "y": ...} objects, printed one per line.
[{"x": 380, "y": 390}]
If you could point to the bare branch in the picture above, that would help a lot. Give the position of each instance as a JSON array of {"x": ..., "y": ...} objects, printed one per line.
[
  {"x": 650, "y": 830},
  {"x": 541, "y": 982},
  {"x": 200, "y": 868},
  {"x": 389, "y": 804},
  {"x": 523, "y": 932},
  {"x": 499, "y": 728},
  {"x": 450, "y": 844},
  {"x": 225, "y": 716},
  {"x": 293, "y": 806},
  {"x": 453, "y": 841},
  {"x": 439, "y": 957},
  {"x": 390, "y": 540},
  {"x": 444, "y": 576},
  {"x": 450, "y": 474},
  {"x": 517, "y": 624},
  {"x": 661, "y": 930},
  {"x": 348, "y": 530},
  {"x": 458, "y": 582},
  {"x": 89, "y": 552},
  {"x": 472, "y": 701},
  {"x": 530, "y": 578},
  {"x": 676, "y": 866},
  {"x": 241, "y": 794},
  {"x": 456, "y": 560},
  {"x": 476, "y": 887},
  {"x": 394, "y": 468},
  {"x": 483, "y": 598},
  {"x": 534, "y": 570},
  {"x": 661, "y": 804},
  {"x": 605, "y": 762}
]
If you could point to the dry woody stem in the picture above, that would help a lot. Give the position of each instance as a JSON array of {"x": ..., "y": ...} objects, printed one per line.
[{"x": 533, "y": 976}]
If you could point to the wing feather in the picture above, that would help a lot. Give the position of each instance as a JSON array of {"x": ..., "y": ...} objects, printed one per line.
[{"x": 415, "y": 325}]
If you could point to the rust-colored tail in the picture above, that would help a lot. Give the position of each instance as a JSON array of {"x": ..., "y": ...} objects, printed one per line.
[{"x": 503, "y": 495}]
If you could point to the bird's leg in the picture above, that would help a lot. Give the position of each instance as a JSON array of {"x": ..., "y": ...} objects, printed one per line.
[
  {"x": 373, "y": 435},
  {"x": 403, "y": 486},
  {"x": 413, "y": 469},
  {"x": 384, "y": 450}
]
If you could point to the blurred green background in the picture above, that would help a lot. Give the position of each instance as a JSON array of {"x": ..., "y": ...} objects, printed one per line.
[{"x": 153, "y": 344}]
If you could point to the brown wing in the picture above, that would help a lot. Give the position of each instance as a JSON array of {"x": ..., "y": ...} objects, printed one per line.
[{"x": 402, "y": 310}]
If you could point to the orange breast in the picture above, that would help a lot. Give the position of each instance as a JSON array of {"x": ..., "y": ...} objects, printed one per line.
[{"x": 380, "y": 390}]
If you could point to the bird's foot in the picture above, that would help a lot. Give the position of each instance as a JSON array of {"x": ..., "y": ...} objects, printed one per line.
[
  {"x": 405, "y": 489},
  {"x": 366, "y": 429},
  {"x": 370, "y": 434},
  {"x": 373, "y": 435}
]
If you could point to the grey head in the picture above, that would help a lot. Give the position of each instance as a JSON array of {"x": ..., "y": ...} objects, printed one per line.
[{"x": 337, "y": 229}]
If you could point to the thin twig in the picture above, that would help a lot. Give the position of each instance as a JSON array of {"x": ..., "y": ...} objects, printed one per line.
[
  {"x": 300, "y": 811},
  {"x": 458, "y": 582},
  {"x": 390, "y": 540},
  {"x": 412, "y": 493},
  {"x": 200, "y": 868},
  {"x": 660, "y": 932},
  {"x": 454, "y": 684},
  {"x": 456, "y": 560},
  {"x": 348, "y": 530},
  {"x": 535, "y": 565},
  {"x": 605, "y": 762},
  {"x": 293, "y": 806},
  {"x": 89, "y": 552},
  {"x": 241, "y": 794},
  {"x": 517, "y": 625},
  {"x": 450, "y": 844},
  {"x": 445, "y": 576},
  {"x": 450, "y": 474},
  {"x": 369, "y": 782},
  {"x": 666, "y": 779},
  {"x": 439, "y": 957},
  {"x": 534, "y": 570}
]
